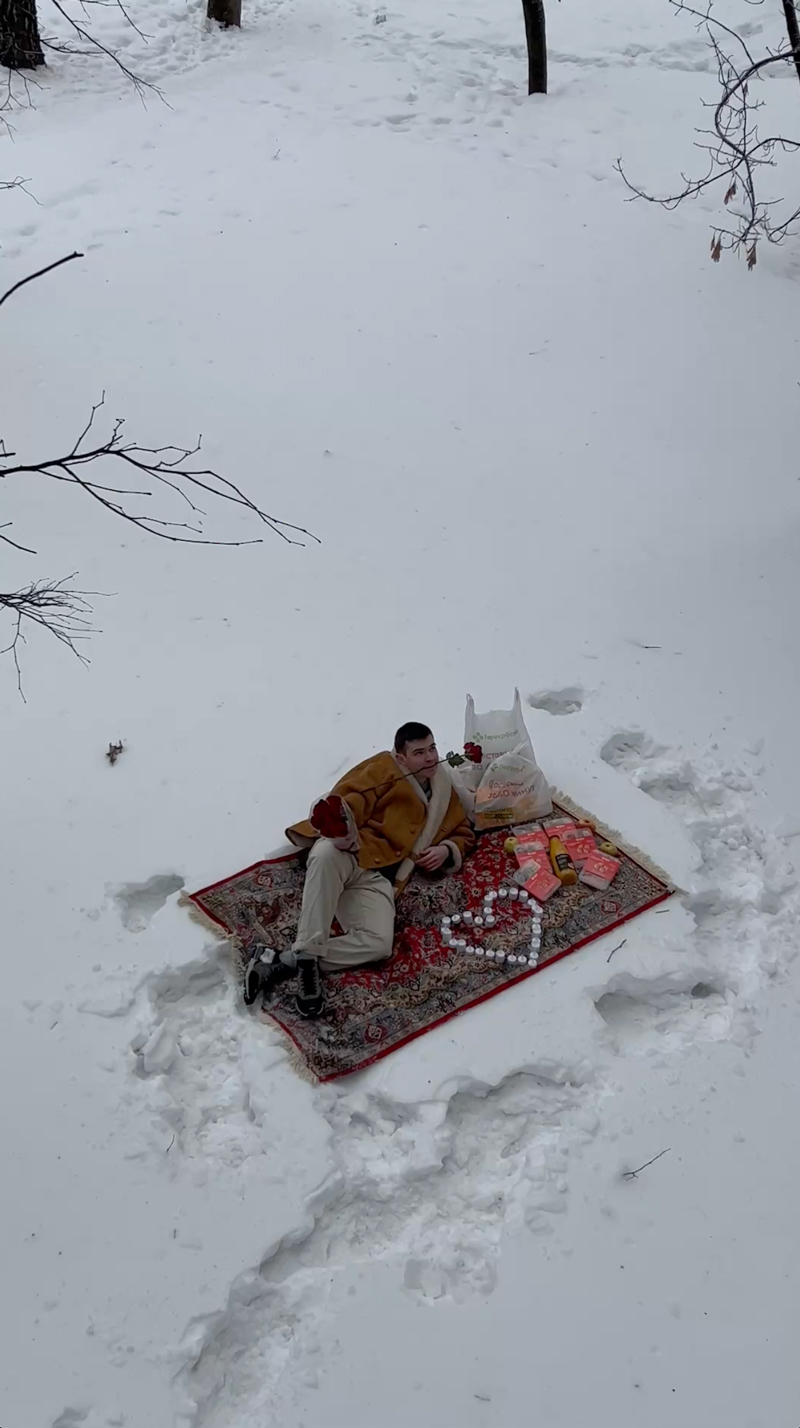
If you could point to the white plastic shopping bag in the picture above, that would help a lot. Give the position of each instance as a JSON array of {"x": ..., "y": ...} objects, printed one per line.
[
  {"x": 497, "y": 732},
  {"x": 507, "y": 786}
]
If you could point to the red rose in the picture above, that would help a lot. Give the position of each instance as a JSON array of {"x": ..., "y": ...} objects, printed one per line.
[
  {"x": 474, "y": 753},
  {"x": 329, "y": 818}
]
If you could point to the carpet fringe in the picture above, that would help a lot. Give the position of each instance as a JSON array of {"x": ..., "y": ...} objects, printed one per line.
[
  {"x": 613, "y": 835},
  {"x": 202, "y": 918},
  {"x": 295, "y": 1058}
]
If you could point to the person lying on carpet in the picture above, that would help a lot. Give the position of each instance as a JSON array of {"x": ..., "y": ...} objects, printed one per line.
[{"x": 389, "y": 815}]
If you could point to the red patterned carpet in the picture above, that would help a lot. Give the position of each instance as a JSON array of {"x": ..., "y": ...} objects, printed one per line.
[{"x": 373, "y": 1011}]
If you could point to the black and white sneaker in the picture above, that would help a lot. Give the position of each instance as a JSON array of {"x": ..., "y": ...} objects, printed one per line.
[
  {"x": 256, "y": 970},
  {"x": 265, "y": 971},
  {"x": 276, "y": 973},
  {"x": 310, "y": 999}
]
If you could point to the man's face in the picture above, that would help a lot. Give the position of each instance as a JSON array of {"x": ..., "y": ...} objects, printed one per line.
[{"x": 420, "y": 756}]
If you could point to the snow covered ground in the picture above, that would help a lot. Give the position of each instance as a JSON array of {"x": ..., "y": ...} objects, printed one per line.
[{"x": 542, "y": 440}]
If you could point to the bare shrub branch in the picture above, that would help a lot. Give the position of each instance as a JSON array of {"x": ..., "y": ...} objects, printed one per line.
[
  {"x": 53, "y": 605},
  {"x": 737, "y": 152},
  {"x": 159, "y": 466},
  {"x": 56, "y": 605},
  {"x": 142, "y": 86},
  {"x": 15, "y": 80}
]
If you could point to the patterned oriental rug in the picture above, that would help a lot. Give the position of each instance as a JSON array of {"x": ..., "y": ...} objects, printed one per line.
[{"x": 372, "y": 1011}]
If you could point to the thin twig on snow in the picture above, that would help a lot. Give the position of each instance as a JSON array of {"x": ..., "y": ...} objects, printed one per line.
[{"x": 632, "y": 1174}]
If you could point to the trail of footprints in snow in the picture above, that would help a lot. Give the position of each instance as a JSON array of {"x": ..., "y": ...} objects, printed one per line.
[
  {"x": 744, "y": 904},
  {"x": 405, "y": 1187},
  {"x": 431, "y": 1188}
]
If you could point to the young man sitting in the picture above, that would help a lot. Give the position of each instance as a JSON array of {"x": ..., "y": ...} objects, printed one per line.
[{"x": 389, "y": 815}]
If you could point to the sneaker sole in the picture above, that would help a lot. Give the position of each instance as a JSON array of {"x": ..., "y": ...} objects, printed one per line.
[{"x": 309, "y": 1013}]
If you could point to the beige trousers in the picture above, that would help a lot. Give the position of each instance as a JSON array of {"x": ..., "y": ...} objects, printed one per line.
[{"x": 361, "y": 901}]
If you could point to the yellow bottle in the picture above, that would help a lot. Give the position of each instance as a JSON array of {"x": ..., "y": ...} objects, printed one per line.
[{"x": 562, "y": 864}]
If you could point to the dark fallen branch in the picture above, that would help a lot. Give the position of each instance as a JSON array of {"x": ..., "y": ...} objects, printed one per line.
[
  {"x": 616, "y": 949},
  {"x": 632, "y": 1174},
  {"x": 41, "y": 271}
]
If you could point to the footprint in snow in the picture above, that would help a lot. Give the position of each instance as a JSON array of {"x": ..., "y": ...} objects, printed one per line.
[
  {"x": 138, "y": 903},
  {"x": 559, "y": 701}
]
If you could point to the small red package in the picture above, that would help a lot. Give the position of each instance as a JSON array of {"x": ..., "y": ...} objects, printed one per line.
[
  {"x": 535, "y": 839},
  {"x": 579, "y": 844},
  {"x": 599, "y": 870},
  {"x": 532, "y": 850},
  {"x": 558, "y": 826},
  {"x": 541, "y": 884}
]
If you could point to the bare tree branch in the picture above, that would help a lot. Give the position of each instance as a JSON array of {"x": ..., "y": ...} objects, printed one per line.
[
  {"x": 53, "y": 605},
  {"x": 705, "y": 18},
  {"x": 59, "y": 47},
  {"x": 40, "y": 274},
  {"x": 160, "y": 466},
  {"x": 140, "y": 85},
  {"x": 115, "y": 5},
  {"x": 26, "y": 549},
  {"x": 10, "y": 98},
  {"x": 737, "y": 151},
  {"x": 15, "y": 183},
  {"x": 633, "y": 1174}
]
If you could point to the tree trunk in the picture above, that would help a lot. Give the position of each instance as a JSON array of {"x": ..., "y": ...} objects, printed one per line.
[
  {"x": 225, "y": 12},
  {"x": 793, "y": 31},
  {"x": 20, "y": 45},
  {"x": 536, "y": 38}
]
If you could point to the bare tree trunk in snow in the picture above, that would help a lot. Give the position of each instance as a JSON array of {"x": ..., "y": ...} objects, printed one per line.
[
  {"x": 20, "y": 45},
  {"x": 793, "y": 31},
  {"x": 536, "y": 37},
  {"x": 225, "y": 12}
]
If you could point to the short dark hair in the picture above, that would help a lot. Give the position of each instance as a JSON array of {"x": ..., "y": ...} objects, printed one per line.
[{"x": 407, "y": 733}]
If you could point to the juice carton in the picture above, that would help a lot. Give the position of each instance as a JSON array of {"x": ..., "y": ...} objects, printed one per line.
[{"x": 562, "y": 864}]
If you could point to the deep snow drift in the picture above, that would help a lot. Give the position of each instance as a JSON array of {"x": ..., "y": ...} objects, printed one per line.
[{"x": 542, "y": 441}]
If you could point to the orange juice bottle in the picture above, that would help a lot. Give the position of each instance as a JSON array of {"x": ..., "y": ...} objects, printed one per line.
[{"x": 562, "y": 864}]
